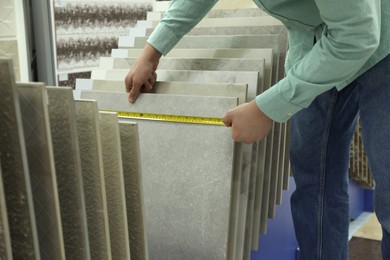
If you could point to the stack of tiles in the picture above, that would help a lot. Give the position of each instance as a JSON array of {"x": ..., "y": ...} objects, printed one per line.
[
  {"x": 231, "y": 53},
  {"x": 62, "y": 185},
  {"x": 358, "y": 165}
]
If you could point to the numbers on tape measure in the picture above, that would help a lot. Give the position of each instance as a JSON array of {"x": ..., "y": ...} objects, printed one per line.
[{"x": 171, "y": 118}]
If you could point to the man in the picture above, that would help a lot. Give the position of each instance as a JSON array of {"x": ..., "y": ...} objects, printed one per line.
[{"x": 338, "y": 63}]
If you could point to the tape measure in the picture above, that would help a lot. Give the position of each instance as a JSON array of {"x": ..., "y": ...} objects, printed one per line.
[{"x": 170, "y": 118}]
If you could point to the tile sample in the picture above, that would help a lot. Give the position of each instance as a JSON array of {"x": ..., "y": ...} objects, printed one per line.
[
  {"x": 276, "y": 173},
  {"x": 16, "y": 180},
  {"x": 68, "y": 169},
  {"x": 187, "y": 194},
  {"x": 223, "y": 64},
  {"x": 243, "y": 199},
  {"x": 181, "y": 88},
  {"x": 132, "y": 171},
  {"x": 88, "y": 129},
  {"x": 37, "y": 134},
  {"x": 246, "y": 77},
  {"x": 5, "y": 239},
  {"x": 9, "y": 48},
  {"x": 266, "y": 54},
  {"x": 114, "y": 183}
]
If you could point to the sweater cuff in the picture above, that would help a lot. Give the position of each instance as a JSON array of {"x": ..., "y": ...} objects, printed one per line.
[
  {"x": 163, "y": 39},
  {"x": 275, "y": 106}
]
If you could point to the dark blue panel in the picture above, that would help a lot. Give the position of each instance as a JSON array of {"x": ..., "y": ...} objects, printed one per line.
[{"x": 280, "y": 242}]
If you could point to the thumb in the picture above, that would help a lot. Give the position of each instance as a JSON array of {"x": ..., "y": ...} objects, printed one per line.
[{"x": 228, "y": 119}]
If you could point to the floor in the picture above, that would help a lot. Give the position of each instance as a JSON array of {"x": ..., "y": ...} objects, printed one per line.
[{"x": 365, "y": 238}]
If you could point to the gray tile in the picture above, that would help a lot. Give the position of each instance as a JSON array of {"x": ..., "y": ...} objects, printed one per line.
[
  {"x": 251, "y": 203},
  {"x": 246, "y": 175},
  {"x": 88, "y": 129},
  {"x": 187, "y": 214},
  {"x": 214, "y": 64},
  {"x": 36, "y": 127},
  {"x": 114, "y": 183},
  {"x": 258, "y": 196},
  {"x": 130, "y": 148},
  {"x": 276, "y": 173},
  {"x": 5, "y": 238},
  {"x": 68, "y": 168},
  {"x": 246, "y": 77},
  {"x": 181, "y": 88},
  {"x": 16, "y": 179},
  {"x": 262, "y": 53}
]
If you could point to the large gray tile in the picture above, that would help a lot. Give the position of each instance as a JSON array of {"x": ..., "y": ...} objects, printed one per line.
[
  {"x": 246, "y": 77},
  {"x": 114, "y": 183},
  {"x": 262, "y": 53},
  {"x": 214, "y": 64},
  {"x": 187, "y": 174},
  {"x": 130, "y": 147},
  {"x": 16, "y": 179},
  {"x": 258, "y": 196},
  {"x": 36, "y": 127},
  {"x": 68, "y": 169},
  {"x": 88, "y": 129},
  {"x": 5, "y": 238},
  {"x": 246, "y": 175},
  {"x": 180, "y": 88}
]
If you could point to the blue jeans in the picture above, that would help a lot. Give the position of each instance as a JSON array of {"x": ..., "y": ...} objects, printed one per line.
[{"x": 320, "y": 139}]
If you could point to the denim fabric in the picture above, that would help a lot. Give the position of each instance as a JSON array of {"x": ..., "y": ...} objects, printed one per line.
[{"x": 320, "y": 139}]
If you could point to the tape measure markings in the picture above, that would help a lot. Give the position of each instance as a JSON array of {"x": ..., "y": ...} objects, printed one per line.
[{"x": 170, "y": 118}]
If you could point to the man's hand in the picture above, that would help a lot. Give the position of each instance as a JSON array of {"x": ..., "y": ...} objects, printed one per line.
[
  {"x": 142, "y": 75},
  {"x": 249, "y": 124}
]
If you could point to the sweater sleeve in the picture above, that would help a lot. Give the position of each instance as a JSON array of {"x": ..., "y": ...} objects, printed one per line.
[{"x": 180, "y": 18}]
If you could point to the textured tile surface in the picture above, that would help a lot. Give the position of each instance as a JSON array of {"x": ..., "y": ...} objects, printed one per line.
[
  {"x": 181, "y": 88},
  {"x": 246, "y": 77},
  {"x": 130, "y": 148},
  {"x": 7, "y": 19},
  {"x": 16, "y": 179},
  {"x": 114, "y": 183},
  {"x": 262, "y": 53},
  {"x": 187, "y": 186},
  {"x": 35, "y": 117},
  {"x": 221, "y": 64},
  {"x": 68, "y": 170},
  {"x": 5, "y": 239},
  {"x": 9, "y": 48},
  {"x": 88, "y": 129}
]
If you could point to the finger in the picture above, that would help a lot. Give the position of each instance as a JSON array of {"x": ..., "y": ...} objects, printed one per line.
[
  {"x": 134, "y": 92},
  {"x": 128, "y": 83},
  {"x": 146, "y": 88},
  {"x": 227, "y": 120}
]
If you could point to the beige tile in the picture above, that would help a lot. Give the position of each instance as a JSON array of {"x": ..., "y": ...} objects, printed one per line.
[
  {"x": 88, "y": 129},
  {"x": 35, "y": 117},
  {"x": 9, "y": 48},
  {"x": 370, "y": 230},
  {"x": 16, "y": 179},
  {"x": 115, "y": 188},
  {"x": 130, "y": 148},
  {"x": 68, "y": 168}
]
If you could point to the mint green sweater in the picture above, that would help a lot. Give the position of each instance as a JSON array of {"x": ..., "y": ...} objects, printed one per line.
[{"x": 351, "y": 37}]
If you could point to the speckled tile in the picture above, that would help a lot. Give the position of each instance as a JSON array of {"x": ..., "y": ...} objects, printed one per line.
[
  {"x": 16, "y": 180},
  {"x": 5, "y": 238},
  {"x": 261, "y": 53},
  {"x": 246, "y": 77},
  {"x": 115, "y": 188},
  {"x": 186, "y": 214},
  {"x": 88, "y": 129},
  {"x": 214, "y": 64},
  {"x": 9, "y": 48},
  {"x": 132, "y": 170},
  {"x": 68, "y": 169},
  {"x": 181, "y": 88},
  {"x": 36, "y": 127}
]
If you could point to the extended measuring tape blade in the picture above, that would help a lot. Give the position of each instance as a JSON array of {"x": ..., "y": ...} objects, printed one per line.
[{"x": 170, "y": 118}]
